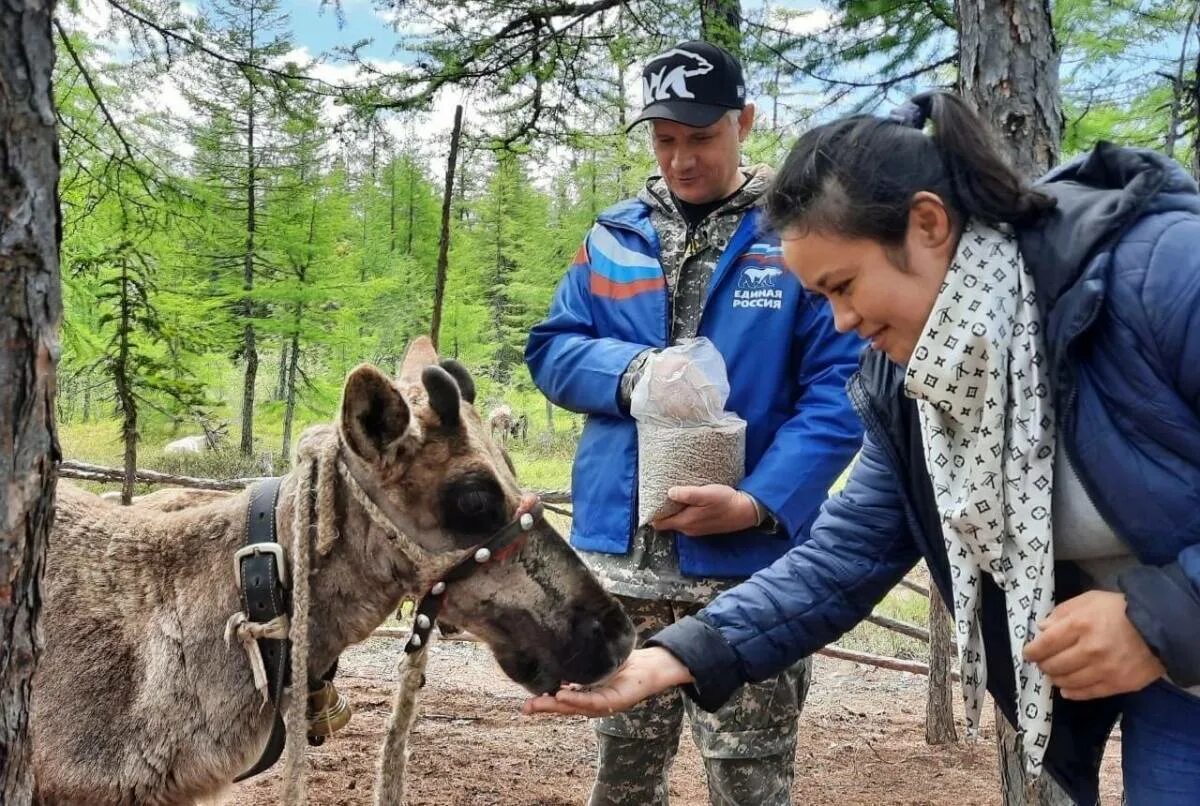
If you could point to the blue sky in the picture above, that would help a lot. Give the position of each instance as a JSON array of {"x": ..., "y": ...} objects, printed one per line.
[{"x": 318, "y": 29}]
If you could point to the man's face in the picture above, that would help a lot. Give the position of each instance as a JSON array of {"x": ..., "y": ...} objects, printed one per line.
[{"x": 701, "y": 165}]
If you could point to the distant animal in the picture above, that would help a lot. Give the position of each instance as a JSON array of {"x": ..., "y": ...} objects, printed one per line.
[
  {"x": 500, "y": 423},
  {"x": 520, "y": 428},
  {"x": 197, "y": 444},
  {"x": 146, "y": 691},
  {"x": 503, "y": 425},
  {"x": 210, "y": 440}
]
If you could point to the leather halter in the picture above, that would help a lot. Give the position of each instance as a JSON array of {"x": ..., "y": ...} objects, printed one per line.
[{"x": 499, "y": 546}]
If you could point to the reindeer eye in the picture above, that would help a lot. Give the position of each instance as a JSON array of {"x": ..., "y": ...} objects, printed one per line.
[{"x": 473, "y": 505}]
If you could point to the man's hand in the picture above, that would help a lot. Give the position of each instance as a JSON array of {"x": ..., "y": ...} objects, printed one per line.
[
  {"x": 1089, "y": 648},
  {"x": 644, "y": 673},
  {"x": 709, "y": 510}
]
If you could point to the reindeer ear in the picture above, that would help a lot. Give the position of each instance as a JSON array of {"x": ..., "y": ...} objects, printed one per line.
[
  {"x": 444, "y": 395},
  {"x": 466, "y": 384},
  {"x": 375, "y": 416}
]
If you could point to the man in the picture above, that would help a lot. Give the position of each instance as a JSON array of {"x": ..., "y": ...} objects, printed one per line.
[{"x": 686, "y": 258}]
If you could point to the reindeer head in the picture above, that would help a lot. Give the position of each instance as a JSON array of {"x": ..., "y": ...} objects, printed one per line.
[
  {"x": 214, "y": 432},
  {"x": 425, "y": 458}
]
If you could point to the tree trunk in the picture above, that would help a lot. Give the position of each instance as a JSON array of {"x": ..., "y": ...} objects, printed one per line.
[
  {"x": 939, "y": 706},
  {"x": 249, "y": 349},
  {"x": 412, "y": 209},
  {"x": 721, "y": 24},
  {"x": 290, "y": 409},
  {"x": 1196, "y": 111},
  {"x": 1008, "y": 70},
  {"x": 1014, "y": 782},
  {"x": 122, "y": 377},
  {"x": 251, "y": 353},
  {"x": 281, "y": 381},
  {"x": 439, "y": 283},
  {"x": 30, "y": 229},
  {"x": 1178, "y": 90},
  {"x": 392, "y": 206}
]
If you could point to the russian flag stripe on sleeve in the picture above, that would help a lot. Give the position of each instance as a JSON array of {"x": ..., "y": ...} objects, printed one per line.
[{"x": 618, "y": 262}]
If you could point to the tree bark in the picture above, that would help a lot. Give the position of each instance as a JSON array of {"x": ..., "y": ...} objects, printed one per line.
[
  {"x": 412, "y": 209},
  {"x": 392, "y": 206},
  {"x": 1008, "y": 70},
  {"x": 1196, "y": 111},
  {"x": 281, "y": 381},
  {"x": 1015, "y": 785},
  {"x": 289, "y": 413},
  {"x": 249, "y": 349},
  {"x": 939, "y": 705},
  {"x": 30, "y": 229},
  {"x": 124, "y": 382},
  {"x": 1179, "y": 89},
  {"x": 443, "y": 259},
  {"x": 721, "y": 24}
]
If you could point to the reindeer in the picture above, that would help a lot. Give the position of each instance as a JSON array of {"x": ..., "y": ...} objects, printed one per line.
[
  {"x": 500, "y": 423},
  {"x": 139, "y": 697}
]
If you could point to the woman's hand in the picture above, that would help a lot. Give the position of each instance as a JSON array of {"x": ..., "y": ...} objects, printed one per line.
[
  {"x": 644, "y": 673},
  {"x": 1089, "y": 648}
]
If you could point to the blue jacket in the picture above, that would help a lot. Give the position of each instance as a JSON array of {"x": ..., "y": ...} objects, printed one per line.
[
  {"x": 787, "y": 373},
  {"x": 1118, "y": 269}
]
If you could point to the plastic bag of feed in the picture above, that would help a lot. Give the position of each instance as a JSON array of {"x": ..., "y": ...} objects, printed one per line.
[{"x": 685, "y": 436}]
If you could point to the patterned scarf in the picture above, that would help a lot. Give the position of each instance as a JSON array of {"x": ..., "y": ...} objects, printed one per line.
[{"x": 978, "y": 375}]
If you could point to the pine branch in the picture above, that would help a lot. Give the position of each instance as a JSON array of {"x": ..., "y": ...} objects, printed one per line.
[{"x": 246, "y": 67}]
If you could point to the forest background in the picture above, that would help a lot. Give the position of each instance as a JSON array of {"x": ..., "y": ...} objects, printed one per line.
[{"x": 252, "y": 189}]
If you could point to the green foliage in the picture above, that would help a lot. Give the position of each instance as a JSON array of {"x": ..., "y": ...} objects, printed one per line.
[{"x": 346, "y": 209}]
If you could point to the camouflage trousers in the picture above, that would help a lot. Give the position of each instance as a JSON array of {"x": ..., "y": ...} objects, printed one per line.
[{"x": 748, "y": 745}]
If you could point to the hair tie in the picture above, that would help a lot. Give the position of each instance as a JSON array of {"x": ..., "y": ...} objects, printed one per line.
[
  {"x": 908, "y": 114},
  {"x": 913, "y": 113}
]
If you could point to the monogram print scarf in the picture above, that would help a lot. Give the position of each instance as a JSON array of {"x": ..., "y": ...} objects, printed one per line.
[{"x": 978, "y": 374}]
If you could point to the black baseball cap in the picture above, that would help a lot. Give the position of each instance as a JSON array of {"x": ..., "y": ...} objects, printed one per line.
[{"x": 693, "y": 83}]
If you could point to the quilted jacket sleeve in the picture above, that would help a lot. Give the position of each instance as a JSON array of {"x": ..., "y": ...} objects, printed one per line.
[
  {"x": 859, "y": 548},
  {"x": 1164, "y": 601}
]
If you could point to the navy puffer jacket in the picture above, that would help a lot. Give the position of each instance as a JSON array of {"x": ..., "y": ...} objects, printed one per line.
[{"x": 1117, "y": 267}]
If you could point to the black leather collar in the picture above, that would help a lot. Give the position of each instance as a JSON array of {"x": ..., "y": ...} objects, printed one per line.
[{"x": 262, "y": 574}]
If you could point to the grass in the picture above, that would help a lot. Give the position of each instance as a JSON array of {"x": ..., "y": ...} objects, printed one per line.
[{"x": 901, "y": 604}]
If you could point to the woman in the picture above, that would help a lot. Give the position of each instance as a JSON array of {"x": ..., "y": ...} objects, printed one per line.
[{"x": 1032, "y": 407}]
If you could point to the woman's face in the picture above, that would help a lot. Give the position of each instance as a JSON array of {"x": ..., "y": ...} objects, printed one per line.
[{"x": 884, "y": 294}]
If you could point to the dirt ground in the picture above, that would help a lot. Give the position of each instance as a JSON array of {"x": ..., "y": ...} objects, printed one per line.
[{"x": 861, "y": 742}]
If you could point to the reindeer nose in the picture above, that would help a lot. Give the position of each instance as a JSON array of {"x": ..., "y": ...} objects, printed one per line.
[
  {"x": 587, "y": 628},
  {"x": 599, "y": 641}
]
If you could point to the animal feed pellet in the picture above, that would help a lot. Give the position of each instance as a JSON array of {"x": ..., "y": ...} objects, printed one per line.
[{"x": 670, "y": 456}]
